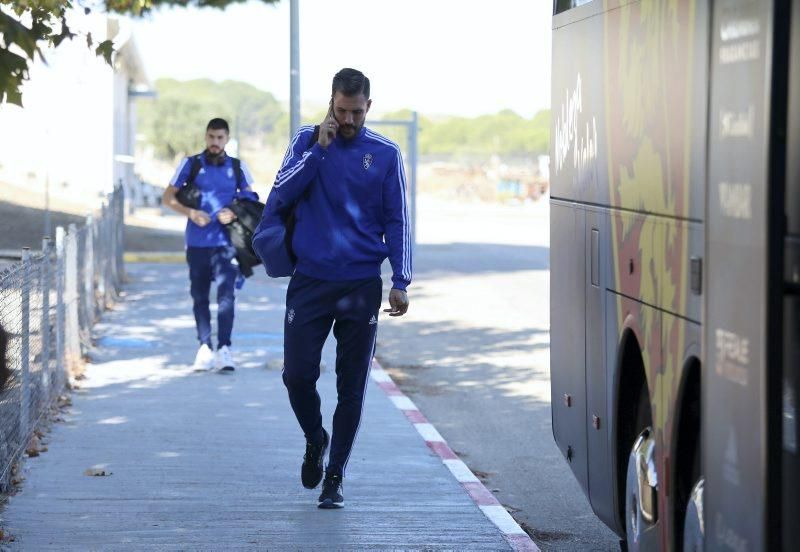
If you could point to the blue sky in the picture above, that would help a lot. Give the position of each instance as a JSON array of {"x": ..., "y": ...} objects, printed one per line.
[{"x": 436, "y": 56}]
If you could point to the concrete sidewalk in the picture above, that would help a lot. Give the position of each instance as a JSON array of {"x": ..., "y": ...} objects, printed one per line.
[{"x": 206, "y": 461}]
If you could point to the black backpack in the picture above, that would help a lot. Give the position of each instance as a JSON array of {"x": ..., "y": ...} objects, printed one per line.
[
  {"x": 291, "y": 219},
  {"x": 189, "y": 194}
]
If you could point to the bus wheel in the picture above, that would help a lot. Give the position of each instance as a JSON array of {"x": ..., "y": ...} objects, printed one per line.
[
  {"x": 641, "y": 494},
  {"x": 693, "y": 527}
]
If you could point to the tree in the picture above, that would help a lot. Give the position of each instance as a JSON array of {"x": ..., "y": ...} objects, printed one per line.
[
  {"x": 504, "y": 133},
  {"x": 28, "y": 26},
  {"x": 173, "y": 123}
]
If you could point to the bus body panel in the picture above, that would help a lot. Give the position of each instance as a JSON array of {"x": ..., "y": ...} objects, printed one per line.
[
  {"x": 599, "y": 416},
  {"x": 567, "y": 374},
  {"x": 669, "y": 143},
  {"x": 791, "y": 316},
  {"x": 734, "y": 391},
  {"x": 628, "y": 152},
  {"x": 578, "y": 154}
]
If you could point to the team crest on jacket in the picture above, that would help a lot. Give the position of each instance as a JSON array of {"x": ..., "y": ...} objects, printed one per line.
[{"x": 367, "y": 161}]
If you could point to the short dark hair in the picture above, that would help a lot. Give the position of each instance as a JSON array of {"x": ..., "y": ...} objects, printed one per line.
[
  {"x": 350, "y": 82},
  {"x": 218, "y": 124}
]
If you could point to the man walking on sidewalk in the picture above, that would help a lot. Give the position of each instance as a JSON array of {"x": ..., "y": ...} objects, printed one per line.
[
  {"x": 209, "y": 252},
  {"x": 349, "y": 188}
]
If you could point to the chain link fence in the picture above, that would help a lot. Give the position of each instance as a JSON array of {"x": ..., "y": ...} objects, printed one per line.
[{"x": 48, "y": 304}]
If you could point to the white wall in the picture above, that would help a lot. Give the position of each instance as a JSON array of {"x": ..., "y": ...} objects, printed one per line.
[{"x": 76, "y": 118}]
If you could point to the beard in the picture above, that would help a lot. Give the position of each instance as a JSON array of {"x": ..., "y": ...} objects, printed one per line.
[
  {"x": 351, "y": 131},
  {"x": 215, "y": 157}
]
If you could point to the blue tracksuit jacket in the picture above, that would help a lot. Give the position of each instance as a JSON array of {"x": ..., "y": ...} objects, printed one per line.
[{"x": 352, "y": 211}]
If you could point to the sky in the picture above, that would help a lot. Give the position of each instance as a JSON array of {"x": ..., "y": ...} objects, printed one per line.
[{"x": 438, "y": 57}]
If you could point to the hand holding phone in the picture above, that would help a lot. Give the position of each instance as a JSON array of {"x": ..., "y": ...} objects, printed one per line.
[{"x": 328, "y": 128}]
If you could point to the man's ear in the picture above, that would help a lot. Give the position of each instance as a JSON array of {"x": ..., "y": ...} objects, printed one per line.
[{"x": 369, "y": 104}]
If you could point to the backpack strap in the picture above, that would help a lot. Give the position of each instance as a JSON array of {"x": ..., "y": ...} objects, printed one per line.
[
  {"x": 314, "y": 138},
  {"x": 197, "y": 164},
  {"x": 237, "y": 170}
]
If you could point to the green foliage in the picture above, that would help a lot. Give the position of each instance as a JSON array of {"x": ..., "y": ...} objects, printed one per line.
[
  {"x": 28, "y": 25},
  {"x": 505, "y": 133},
  {"x": 174, "y": 123}
]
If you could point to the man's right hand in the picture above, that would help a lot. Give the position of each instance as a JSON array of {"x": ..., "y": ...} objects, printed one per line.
[
  {"x": 200, "y": 218},
  {"x": 327, "y": 130}
]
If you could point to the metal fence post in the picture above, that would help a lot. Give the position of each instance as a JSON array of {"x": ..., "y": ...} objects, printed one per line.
[
  {"x": 45, "y": 327},
  {"x": 72, "y": 344},
  {"x": 60, "y": 305},
  {"x": 119, "y": 221},
  {"x": 26, "y": 343},
  {"x": 106, "y": 239},
  {"x": 88, "y": 274}
]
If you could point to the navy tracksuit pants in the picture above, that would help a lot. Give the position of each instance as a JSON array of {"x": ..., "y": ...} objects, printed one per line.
[
  {"x": 312, "y": 307},
  {"x": 207, "y": 265}
]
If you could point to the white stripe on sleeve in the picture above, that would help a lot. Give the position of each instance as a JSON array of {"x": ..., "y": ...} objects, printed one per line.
[
  {"x": 248, "y": 177},
  {"x": 174, "y": 180}
]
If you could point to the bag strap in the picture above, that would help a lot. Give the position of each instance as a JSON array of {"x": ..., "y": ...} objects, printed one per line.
[
  {"x": 314, "y": 138},
  {"x": 197, "y": 164},
  {"x": 237, "y": 170}
]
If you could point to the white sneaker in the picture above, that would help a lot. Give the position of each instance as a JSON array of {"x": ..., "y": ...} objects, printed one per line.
[
  {"x": 204, "y": 359},
  {"x": 225, "y": 359}
]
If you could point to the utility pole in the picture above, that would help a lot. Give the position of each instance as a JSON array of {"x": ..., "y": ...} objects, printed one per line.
[{"x": 294, "y": 68}]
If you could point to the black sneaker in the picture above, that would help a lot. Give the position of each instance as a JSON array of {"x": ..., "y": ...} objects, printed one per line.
[
  {"x": 311, "y": 472},
  {"x": 331, "y": 496}
]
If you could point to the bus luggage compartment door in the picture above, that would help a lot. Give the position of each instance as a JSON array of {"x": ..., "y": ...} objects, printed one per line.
[{"x": 567, "y": 313}]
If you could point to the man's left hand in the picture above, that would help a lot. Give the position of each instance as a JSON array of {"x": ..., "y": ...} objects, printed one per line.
[
  {"x": 226, "y": 216},
  {"x": 398, "y": 300}
]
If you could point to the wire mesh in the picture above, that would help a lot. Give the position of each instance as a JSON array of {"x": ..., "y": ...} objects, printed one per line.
[{"x": 48, "y": 304}]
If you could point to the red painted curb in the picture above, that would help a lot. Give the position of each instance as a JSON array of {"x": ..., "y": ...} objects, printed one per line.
[{"x": 483, "y": 498}]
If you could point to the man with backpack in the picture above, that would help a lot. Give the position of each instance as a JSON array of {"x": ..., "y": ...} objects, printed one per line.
[
  {"x": 345, "y": 188},
  {"x": 214, "y": 180}
]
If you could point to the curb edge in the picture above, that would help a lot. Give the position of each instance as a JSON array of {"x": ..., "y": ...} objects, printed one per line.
[{"x": 516, "y": 537}]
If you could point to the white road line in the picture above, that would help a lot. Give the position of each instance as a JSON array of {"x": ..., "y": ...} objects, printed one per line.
[
  {"x": 500, "y": 517},
  {"x": 460, "y": 471},
  {"x": 402, "y": 402},
  {"x": 429, "y": 433},
  {"x": 380, "y": 376},
  {"x": 497, "y": 514}
]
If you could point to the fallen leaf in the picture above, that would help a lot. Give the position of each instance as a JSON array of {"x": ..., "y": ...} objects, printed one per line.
[{"x": 33, "y": 447}]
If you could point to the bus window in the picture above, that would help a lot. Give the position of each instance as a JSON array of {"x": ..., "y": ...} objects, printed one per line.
[{"x": 564, "y": 5}]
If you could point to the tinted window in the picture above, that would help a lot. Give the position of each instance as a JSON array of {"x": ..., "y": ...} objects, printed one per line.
[{"x": 564, "y": 5}]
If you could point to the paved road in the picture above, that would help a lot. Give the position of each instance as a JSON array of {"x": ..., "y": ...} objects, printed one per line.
[{"x": 473, "y": 354}]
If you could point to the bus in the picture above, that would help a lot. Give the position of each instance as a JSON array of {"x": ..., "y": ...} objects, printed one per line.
[{"x": 675, "y": 267}]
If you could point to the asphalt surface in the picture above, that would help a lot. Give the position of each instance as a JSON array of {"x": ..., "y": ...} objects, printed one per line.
[{"x": 473, "y": 354}]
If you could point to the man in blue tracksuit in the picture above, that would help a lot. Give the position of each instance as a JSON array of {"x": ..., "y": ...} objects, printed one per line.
[
  {"x": 209, "y": 252},
  {"x": 350, "y": 190}
]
